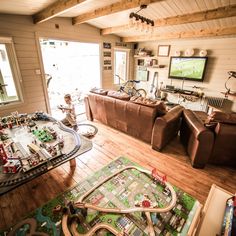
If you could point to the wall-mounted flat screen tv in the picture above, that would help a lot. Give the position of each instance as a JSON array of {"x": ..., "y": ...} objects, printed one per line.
[{"x": 189, "y": 68}]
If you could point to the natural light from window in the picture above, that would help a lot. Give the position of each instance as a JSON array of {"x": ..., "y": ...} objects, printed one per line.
[
  {"x": 8, "y": 92},
  {"x": 70, "y": 67},
  {"x": 120, "y": 74}
]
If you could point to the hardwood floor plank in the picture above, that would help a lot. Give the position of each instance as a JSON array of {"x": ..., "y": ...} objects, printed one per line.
[
  {"x": 12, "y": 207},
  {"x": 2, "y": 221},
  {"x": 109, "y": 144}
]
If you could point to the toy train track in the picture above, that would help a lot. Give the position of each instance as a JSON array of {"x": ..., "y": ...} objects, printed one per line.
[
  {"x": 45, "y": 166},
  {"x": 71, "y": 229}
]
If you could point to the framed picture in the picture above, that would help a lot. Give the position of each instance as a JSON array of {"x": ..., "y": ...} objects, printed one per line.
[
  {"x": 107, "y": 67},
  {"x": 163, "y": 50},
  {"x": 107, "y": 54},
  {"x": 107, "y": 45},
  {"x": 142, "y": 75},
  {"x": 107, "y": 62},
  {"x": 121, "y": 44}
]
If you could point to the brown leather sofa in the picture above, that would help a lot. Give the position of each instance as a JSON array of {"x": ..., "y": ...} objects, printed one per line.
[
  {"x": 166, "y": 127},
  {"x": 208, "y": 143},
  {"x": 134, "y": 119}
]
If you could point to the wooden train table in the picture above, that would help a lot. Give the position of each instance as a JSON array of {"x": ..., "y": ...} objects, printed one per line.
[{"x": 34, "y": 145}]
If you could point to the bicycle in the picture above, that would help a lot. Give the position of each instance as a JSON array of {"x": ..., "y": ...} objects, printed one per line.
[{"x": 128, "y": 88}]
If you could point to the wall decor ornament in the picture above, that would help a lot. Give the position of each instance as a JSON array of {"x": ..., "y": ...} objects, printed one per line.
[
  {"x": 107, "y": 53},
  {"x": 177, "y": 53},
  {"x": 106, "y": 45},
  {"x": 107, "y": 62},
  {"x": 121, "y": 44},
  {"x": 189, "y": 52},
  {"x": 203, "y": 53}
]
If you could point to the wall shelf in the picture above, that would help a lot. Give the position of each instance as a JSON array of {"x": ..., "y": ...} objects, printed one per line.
[
  {"x": 145, "y": 57},
  {"x": 153, "y": 68}
]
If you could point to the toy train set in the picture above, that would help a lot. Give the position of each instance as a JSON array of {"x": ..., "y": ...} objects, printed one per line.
[
  {"x": 31, "y": 144},
  {"x": 123, "y": 199},
  {"x": 120, "y": 199},
  {"x": 70, "y": 222}
]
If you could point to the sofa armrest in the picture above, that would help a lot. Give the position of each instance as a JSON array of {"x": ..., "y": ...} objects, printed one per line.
[
  {"x": 224, "y": 148},
  {"x": 197, "y": 139},
  {"x": 166, "y": 128},
  {"x": 88, "y": 111},
  {"x": 195, "y": 124}
]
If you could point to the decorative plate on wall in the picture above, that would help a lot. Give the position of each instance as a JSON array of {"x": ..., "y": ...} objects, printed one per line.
[
  {"x": 189, "y": 52},
  {"x": 177, "y": 53},
  {"x": 203, "y": 53}
]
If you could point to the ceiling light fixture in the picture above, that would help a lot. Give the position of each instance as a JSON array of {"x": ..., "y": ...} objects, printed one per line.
[{"x": 139, "y": 22}]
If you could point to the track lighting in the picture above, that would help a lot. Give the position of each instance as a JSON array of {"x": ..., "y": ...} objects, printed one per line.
[{"x": 139, "y": 22}]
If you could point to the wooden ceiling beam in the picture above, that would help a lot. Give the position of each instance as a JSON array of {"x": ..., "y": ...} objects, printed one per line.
[
  {"x": 183, "y": 35},
  {"x": 55, "y": 9},
  {"x": 218, "y": 13},
  {"x": 111, "y": 9}
]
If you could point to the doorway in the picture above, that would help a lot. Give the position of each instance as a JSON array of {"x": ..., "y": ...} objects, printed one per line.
[
  {"x": 121, "y": 60},
  {"x": 70, "y": 67}
]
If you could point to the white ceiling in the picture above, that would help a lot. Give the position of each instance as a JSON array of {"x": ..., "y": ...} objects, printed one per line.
[
  {"x": 23, "y": 7},
  {"x": 154, "y": 11},
  {"x": 87, "y": 6}
]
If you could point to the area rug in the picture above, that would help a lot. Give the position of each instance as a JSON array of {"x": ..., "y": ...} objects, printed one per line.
[{"x": 122, "y": 191}]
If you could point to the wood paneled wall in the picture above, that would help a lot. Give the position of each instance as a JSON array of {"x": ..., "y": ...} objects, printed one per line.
[
  {"x": 222, "y": 58},
  {"x": 25, "y": 36}
]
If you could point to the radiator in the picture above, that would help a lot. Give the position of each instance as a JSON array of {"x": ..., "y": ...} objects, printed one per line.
[{"x": 215, "y": 101}]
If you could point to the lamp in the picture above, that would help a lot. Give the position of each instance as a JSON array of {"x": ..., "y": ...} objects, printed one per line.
[
  {"x": 140, "y": 22},
  {"x": 232, "y": 74}
]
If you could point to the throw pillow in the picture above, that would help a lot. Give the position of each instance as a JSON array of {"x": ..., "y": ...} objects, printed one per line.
[
  {"x": 99, "y": 91},
  {"x": 161, "y": 107},
  {"x": 222, "y": 117},
  {"x": 118, "y": 95}
]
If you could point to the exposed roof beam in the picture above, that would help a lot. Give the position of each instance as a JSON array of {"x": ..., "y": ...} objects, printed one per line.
[
  {"x": 55, "y": 9},
  {"x": 213, "y": 14},
  {"x": 111, "y": 9},
  {"x": 183, "y": 35}
]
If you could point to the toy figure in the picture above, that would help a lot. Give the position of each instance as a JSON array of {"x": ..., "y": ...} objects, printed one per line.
[
  {"x": 70, "y": 119},
  {"x": 3, "y": 136},
  {"x": 9, "y": 123}
]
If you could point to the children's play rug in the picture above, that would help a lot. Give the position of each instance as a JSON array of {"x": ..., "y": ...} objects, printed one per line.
[{"x": 135, "y": 198}]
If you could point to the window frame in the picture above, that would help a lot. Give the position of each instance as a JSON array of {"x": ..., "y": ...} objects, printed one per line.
[
  {"x": 127, "y": 51},
  {"x": 13, "y": 62}
]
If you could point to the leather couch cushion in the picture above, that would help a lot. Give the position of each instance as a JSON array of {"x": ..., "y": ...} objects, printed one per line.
[
  {"x": 134, "y": 119},
  {"x": 204, "y": 118},
  {"x": 221, "y": 117},
  {"x": 159, "y": 105},
  {"x": 99, "y": 91},
  {"x": 118, "y": 95},
  {"x": 202, "y": 115}
]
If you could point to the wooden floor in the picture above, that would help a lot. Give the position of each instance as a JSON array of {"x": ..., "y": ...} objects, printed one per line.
[{"x": 108, "y": 145}]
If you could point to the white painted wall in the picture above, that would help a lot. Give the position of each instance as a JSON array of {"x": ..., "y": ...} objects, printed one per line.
[
  {"x": 222, "y": 58},
  {"x": 25, "y": 36},
  {"x": 221, "y": 52}
]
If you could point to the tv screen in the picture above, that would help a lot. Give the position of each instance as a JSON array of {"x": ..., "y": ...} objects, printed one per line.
[{"x": 189, "y": 68}]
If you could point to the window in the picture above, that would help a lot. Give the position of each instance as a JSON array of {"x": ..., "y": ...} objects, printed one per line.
[
  {"x": 9, "y": 73},
  {"x": 121, "y": 65}
]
